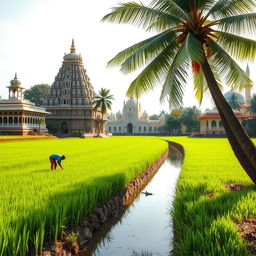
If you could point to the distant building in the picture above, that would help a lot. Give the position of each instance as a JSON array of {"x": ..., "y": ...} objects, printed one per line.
[
  {"x": 210, "y": 121},
  {"x": 131, "y": 121},
  {"x": 70, "y": 99},
  {"x": 19, "y": 116}
]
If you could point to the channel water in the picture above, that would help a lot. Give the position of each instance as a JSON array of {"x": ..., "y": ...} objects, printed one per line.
[{"x": 145, "y": 227}]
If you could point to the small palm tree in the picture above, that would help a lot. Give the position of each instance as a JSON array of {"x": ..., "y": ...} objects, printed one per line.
[
  {"x": 252, "y": 107},
  {"x": 204, "y": 35},
  {"x": 102, "y": 102},
  {"x": 163, "y": 114}
]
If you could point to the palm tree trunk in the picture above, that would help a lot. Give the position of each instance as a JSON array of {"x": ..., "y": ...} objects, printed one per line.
[
  {"x": 237, "y": 149},
  {"x": 98, "y": 134},
  {"x": 100, "y": 125},
  {"x": 240, "y": 142}
]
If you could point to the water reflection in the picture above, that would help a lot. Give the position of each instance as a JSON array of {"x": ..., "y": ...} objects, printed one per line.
[{"x": 143, "y": 228}]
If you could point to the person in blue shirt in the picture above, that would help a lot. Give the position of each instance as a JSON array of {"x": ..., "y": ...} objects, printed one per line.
[{"x": 56, "y": 159}]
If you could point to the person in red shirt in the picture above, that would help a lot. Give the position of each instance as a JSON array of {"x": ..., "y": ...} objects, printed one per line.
[{"x": 56, "y": 159}]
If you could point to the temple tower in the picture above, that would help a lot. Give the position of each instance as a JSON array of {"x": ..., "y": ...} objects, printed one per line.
[{"x": 70, "y": 99}]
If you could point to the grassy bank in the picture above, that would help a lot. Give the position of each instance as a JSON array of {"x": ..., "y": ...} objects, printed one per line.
[
  {"x": 37, "y": 203},
  {"x": 205, "y": 212}
]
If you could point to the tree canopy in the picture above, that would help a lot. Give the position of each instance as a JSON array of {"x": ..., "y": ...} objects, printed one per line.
[
  {"x": 37, "y": 93},
  {"x": 154, "y": 117}
]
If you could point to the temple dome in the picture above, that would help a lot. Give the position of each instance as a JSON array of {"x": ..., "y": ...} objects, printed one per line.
[
  {"x": 144, "y": 115},
  {"x": 130, "y": 102},
  {"x": 119, "y": 115},
  {"x": 15, "y": 82},
  {"x": 232, "y": 96}
]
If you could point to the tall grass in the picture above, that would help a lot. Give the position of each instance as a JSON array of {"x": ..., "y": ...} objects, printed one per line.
[
  {"x": 203, "y": 224},
  {"x": 36, "y": 204}
]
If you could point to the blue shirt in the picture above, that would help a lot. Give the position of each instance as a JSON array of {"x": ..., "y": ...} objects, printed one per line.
[{"x": 57, "y": 157}]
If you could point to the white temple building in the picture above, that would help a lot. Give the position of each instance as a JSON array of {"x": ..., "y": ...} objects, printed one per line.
[
  {"x": 19, "y": 116},
  {"x": 132, "y": 121}
]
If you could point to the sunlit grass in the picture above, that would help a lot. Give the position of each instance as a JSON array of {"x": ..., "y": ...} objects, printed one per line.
[
  {"x": 36, "y": 204},
  {"x": 206, "y": 225}
]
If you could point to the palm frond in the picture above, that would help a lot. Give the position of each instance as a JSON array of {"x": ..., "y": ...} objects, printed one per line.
[
  {"x": 238, "y": 47},
  {"x": 174, "y": 85},
  {"x": 215, "y": 71},
  {"x": 158, "y": 26},
  {"x": 170, "y": 7},
  {"x": 194, "y": 48},
  {"x": 138, "y": 15},
  {"x": 191, "y": 5},
  {"x": 153, "y": 74},
  {"x": 200, "y": 83},
  {"x": 240, "y": 24},
  {"x": 226, "y": 8},
  {"x": 123, "y": 55},
  {"x": 149, "y": 51},
  {"x": 227, "y": 67}
]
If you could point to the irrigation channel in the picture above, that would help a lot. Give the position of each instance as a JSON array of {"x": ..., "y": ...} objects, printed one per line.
[{"x": 144, "y": 228}]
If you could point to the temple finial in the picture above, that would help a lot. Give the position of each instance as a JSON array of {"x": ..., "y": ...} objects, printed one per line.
[
  {"x": 73, "y": 48},
  {"x": 15, "y": 76}
]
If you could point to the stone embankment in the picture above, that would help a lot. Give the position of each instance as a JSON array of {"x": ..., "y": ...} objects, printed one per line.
[{"x": 112, "y": 208}]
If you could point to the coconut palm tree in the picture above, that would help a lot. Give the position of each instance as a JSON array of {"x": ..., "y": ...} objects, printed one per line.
[
  {"x": 205, "y": 35},
  {"x": 234, "y": 103},
  {"x": 103, "y": 102}
]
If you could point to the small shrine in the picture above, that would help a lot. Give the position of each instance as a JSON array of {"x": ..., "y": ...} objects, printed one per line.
[{"x": 19, "y": 116}]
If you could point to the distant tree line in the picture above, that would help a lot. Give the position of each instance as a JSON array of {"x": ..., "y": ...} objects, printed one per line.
[{"x": 179, "y": 121}]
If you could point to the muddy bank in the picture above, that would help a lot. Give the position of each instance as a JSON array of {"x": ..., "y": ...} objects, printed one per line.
[
  {"x": 29, "y": 138},
  {"x": 103, "y": 213}
]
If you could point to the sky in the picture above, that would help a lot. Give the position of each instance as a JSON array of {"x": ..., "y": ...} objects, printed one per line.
[{"x": 35, "y": 34}]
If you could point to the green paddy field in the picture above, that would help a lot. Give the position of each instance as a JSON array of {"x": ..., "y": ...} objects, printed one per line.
[
  {"x": 205, "y": 211},
  {"x": 36, "y": 203}
]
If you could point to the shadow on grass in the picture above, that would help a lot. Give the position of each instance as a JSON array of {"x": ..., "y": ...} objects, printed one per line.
[
  {"x": 205, "y": 225},
  {"x": 63, "y": 209}
]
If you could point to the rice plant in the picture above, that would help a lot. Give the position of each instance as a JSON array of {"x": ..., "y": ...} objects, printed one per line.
[
  {"x": 37, "y": 204},
  {"x": 205, "y": 212}
]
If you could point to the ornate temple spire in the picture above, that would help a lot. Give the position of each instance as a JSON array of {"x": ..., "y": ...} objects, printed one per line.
[{"x": 73, "y": 48}]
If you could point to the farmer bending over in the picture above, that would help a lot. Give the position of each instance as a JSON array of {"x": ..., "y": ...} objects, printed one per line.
[{"x": 54, "y": 159}]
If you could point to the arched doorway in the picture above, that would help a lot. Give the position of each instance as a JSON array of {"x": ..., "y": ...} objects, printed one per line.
[
  {"x": 64, "y": 128},
  {"x": 129, "y": 128}
]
